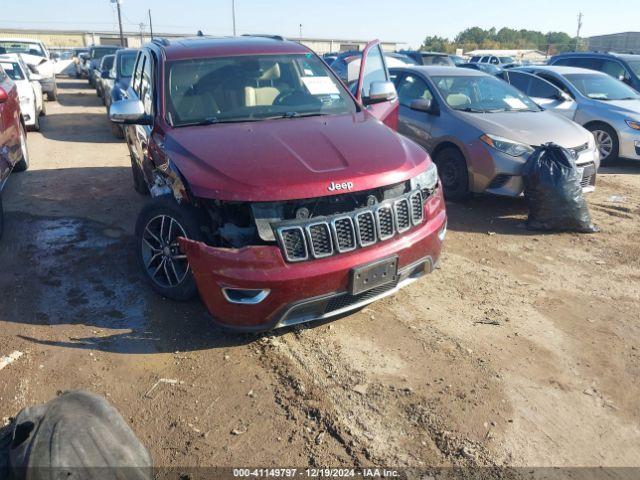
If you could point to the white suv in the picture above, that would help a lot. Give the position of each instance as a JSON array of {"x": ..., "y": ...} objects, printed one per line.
[{"x": 36, "y": 55}]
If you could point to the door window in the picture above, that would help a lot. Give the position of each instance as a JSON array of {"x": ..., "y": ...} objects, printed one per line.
[
  {"x": 554, "y": 81},
  {"x": 520, "y": 81},
  {"x": 494, "y": 61},
  {"x": 613, "y": 68},
  {"x": 539, "y": 88},
  {"x": 137, "y": 74},
  {"x": 412, "y": 88},
  {"x": 374, "y": 70},
  {"x": 146, "y": 86}
]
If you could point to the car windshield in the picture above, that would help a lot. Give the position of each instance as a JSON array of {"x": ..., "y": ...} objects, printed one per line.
[
  {"x": 602, "y": 87},
  {"x": 126, "y": 64},
  {"x": 13, "y": 70},
  {"x": 21, "y": 47},
  {"x": 97, "y": 53},
  {"x": 107, "y": 62},
  {"x": 251, "y": 88},
  {"x": 481, "y": 94},
  {"x": 635, "y": 66}
]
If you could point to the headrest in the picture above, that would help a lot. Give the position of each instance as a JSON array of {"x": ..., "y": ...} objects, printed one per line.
[
  {"x": 457, "y": 100},
  {"x": 272, "y": 73}
]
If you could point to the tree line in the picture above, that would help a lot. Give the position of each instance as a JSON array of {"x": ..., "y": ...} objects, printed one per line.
[{"x": 504, "y": 39}]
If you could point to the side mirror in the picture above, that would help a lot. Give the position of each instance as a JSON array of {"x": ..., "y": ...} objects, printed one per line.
[
  {"x": 381, "y": 92},
  {"x": 423, "y": 105},
  {"x": 130, "y": 112}
]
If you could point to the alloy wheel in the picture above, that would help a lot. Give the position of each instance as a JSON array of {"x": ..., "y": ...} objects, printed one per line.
[
  {"x": 604, "y": 142},
  {"x": 166, "y": 265}
]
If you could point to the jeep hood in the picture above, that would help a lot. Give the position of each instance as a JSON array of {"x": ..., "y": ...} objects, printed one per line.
[
  {"x": 291, "y": 158},
  {"x": 530, "y": 128}
]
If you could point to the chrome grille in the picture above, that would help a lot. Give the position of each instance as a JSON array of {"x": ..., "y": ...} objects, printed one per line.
[
  {"x": 403, "y": 215},
  {"x": 320, "y": 240},
  {"x": 324, "y": 236},
  {"x": 345, "y": 234},
  {"x": 417, "y": 208}
]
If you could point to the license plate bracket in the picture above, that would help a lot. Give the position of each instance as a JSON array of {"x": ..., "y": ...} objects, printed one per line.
[{"x": 372, "y": 275}]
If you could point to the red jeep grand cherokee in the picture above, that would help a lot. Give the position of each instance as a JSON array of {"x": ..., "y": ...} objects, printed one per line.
[{"x": 278, "y": 195}]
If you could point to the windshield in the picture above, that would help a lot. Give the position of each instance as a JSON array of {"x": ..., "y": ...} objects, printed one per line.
[
  {"x": 482, "y": 94},
  {"x": 252, "y": 87},
  {"x": 635, "y": 66},
  {"x": 126, "y": 63},
  {"x": 13, "y": 70},
  {"x": 107, "y": 62},
  {"x": 97, "y": 53},
  {"x": 21, "y": 47},
  {"x": 602, "y": 87}
]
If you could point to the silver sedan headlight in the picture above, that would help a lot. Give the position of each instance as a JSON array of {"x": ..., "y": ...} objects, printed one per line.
[
  {"x": 504, "y": 145},
  {"x": 633, "y": 124},
  {"x": 427, "y": 179}
]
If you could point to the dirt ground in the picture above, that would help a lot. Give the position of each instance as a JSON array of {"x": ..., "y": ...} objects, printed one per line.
[{"x": 521, "y": 350}]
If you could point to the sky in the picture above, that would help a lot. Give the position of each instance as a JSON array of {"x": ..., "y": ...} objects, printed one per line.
[{"x": 407, "y": 21}]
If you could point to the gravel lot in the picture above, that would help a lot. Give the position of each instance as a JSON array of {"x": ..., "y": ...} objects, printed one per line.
[{"x": 521, "y": 350}]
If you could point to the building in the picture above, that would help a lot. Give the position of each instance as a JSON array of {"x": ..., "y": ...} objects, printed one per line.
[
  {"x": 626, "y": 42},
  {"x": 527, "y": 56},
  {"x": 57, "y": 39}
]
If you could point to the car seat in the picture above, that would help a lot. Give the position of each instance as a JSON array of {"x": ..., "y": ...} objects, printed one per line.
[
  {"x": 190, "y": 100},
  {"x": 263, "y": 95},
  {"x": 458, "y": 100}
]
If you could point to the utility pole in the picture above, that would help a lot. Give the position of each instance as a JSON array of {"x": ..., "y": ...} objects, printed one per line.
[
  {"x": 118, "y": 3},
  {"x": 233, "y": 14},
  {"x": 580, "y": 17},
  {"x": 150, "y": 25},
  {"x": 141, "y": 33},
  {"x": 300, "y": 31}
]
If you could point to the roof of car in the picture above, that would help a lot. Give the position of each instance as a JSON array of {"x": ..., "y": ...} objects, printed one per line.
[
  {"x": 197, "y": 47},
  {"x": 624, "y": 56},
  {"x": 22, "y": 40},
  {"x": 562, "y": 70},
  {"x": 442, "y": 70}
]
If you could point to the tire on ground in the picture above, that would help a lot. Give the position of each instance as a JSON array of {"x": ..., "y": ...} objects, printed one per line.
[{"x": 454, "y": 175}]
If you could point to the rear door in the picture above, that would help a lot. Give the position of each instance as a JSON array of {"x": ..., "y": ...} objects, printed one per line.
[
  {"x": 373, "y": 69},
  {"x": 544, "y": 93}
]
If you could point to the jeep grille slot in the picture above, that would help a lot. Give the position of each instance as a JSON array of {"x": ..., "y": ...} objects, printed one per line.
[
  {"x": 322, "y": 237},
  {"x": 295, "y": 246},
  {"x": 345, "y": 234}
]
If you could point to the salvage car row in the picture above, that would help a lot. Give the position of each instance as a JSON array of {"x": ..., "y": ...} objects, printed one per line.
[{"x": 285, "y": 191}]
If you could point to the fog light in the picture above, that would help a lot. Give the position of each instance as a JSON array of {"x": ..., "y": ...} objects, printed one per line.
[
  {"x": 244, "y": 296},
  {"x": 443, "y": 232}
]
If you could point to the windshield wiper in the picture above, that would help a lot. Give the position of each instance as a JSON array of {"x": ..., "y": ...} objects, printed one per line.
[
  {"x": 296, "y": 115},
  {"x": 471, "y": 110},
  {"x": 215, "y": 120}
]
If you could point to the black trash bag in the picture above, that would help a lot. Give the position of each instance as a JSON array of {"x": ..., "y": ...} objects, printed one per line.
[
  {"x": 77, "y": 435},
  {"x": 553, "y": 191}
]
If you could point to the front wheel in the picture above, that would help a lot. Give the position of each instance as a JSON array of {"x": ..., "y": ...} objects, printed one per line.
[
  {"x": 23, "y": 162},
  {"x": 160, "y": 223},
  {"x": 606, "y": 141},
  {"x": 53, "y": 95},
  {"x": 454, "y": 176}
]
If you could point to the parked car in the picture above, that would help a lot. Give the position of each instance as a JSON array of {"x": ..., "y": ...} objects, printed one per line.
[
  {"x": 102, "y": 74},
  {"x": 347, "y": 65},
  {"x": 63, "y": 62},
  {"x": 14, "y": 154},
  {"x": 331, "y": 57},
  {"x": 35, "y": 54},
  {"x": 95, "y": 57},
  {"x": 480, "y": 130},
  {"x": 483, "y": 67},
  {"x": 605, "y": 106},
  {"x": 625, "y": 68},
  {"x": 278, "y": 194},
  {"x": 116, "y": 89},
  {"x": 457, "y": 60},
  {"x": 429, "y": 58},
  {"x": 29, "y": 89},
  {"x": 499, "y": 61}
]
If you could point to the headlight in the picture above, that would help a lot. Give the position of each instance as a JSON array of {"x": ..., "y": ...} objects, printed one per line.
[
  {"x": 634, "y": 125},
  {"x": 427, "y": 179},
  {"x": 504, "y": 145}
]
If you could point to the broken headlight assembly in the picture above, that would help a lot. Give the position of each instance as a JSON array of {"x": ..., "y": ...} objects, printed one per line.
[{"x": 427, "y": 180}]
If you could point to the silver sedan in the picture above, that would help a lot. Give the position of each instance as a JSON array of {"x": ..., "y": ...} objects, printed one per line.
[{"x": 605, "y": 106}]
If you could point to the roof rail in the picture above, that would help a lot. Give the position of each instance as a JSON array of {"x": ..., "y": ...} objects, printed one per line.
[
  {"x": 273, "y": 37},
  {"x": 160, "y": 41}
]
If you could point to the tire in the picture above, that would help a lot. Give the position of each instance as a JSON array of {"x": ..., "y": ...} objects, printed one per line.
[
  {"x": 607, "y": 141},
  {"x": 1, "y": 217},
  {"x": 162, "y": 263},
  {"x": 43, "y": 112},
  {"x": 23, "y": 163},
  {"x": 116, "y": 130},
  {"x": 53, "y": 96},
  {"x": 36, "y": 125},
  {"x": 454, "y": 175},
  {"x": 139, "y": 182}
]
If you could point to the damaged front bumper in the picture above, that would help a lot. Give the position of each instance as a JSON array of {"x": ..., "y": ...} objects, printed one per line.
[{"x": 255, "y": 289}]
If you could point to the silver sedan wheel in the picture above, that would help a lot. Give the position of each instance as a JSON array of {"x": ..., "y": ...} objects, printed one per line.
[
  {"x": 166, "y": 265},
  {"x": 604, "y": 142}
]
